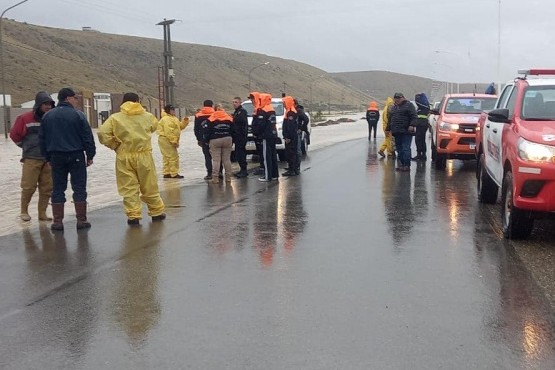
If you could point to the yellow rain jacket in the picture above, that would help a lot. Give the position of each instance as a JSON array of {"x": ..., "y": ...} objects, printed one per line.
[
  {"x": 169, "y": 132},
  {"x": 129, "y": 133},
  {"x": 388, "y": 143}
]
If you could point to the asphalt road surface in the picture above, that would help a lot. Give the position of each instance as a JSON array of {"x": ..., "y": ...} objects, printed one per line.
[{"x": 348, "y": 266}]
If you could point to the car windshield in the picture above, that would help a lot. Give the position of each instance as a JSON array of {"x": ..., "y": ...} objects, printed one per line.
[
  {"x": 278, "y": 107},
  {"x": 469, "y": 105},
  {"x": 539, "y": 103}
]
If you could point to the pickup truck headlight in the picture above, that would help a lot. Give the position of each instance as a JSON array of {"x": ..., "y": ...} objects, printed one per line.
[
  {"x": 534, "y": 152},
  {"x": 446, "y": 126}
]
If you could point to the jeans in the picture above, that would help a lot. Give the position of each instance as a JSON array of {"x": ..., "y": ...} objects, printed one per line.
[
  {"x": 74, "y": 164},
  {"x": 403, "y": 143}
]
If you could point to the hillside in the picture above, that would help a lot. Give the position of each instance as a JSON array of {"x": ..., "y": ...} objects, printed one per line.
[{"x": 44, "y": 58}]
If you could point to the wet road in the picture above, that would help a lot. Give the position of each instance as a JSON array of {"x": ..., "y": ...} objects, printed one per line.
[{"x": 350, "y": 265}]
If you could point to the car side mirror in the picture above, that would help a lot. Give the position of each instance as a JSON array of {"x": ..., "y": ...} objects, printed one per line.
[
  {"x": 434, "y": 111},
  {"x": 499, "y": 115}
]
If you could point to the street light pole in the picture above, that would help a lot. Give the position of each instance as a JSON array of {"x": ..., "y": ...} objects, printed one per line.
[
  {"x": 3, "y": 87},
  {"x": 252, "y": 69},
  {"x": 168, "y": 60}
]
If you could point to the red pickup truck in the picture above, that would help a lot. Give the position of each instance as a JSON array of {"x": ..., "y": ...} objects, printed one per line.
[{"x": 515, "y": 148}]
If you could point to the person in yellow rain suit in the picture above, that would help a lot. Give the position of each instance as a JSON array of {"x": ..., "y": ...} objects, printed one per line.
[
  {"x": 169, "y": 132},
  {"x": 129, "y": 133},
  {"x": 388, "y": 143}
]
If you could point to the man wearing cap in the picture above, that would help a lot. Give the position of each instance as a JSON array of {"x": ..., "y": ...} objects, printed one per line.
[
  {"x": 67, "y": 143},
  {"x": 128, "y": 133},
  {"x": 402, "y": 120},
  {"x": 169, "y": 132},
  {"x": 36, "y": 171}
]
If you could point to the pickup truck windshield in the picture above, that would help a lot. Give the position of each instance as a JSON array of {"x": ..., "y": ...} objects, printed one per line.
[
  {"x": 469, "y": 105},
  {"x": 539, "y": 103},
  {"x": 278, "y": 107}
]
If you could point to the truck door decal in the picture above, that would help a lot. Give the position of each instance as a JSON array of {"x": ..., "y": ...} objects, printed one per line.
[{"x": 493, "y": 150}]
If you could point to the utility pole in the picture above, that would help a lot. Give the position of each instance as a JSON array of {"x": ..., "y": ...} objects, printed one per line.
[
  {"x": 3, "y": 87},
  {"x": 168, "y": 60}
]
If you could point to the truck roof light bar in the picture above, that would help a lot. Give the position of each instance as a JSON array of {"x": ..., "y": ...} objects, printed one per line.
[{"x": 536, "y": 72}]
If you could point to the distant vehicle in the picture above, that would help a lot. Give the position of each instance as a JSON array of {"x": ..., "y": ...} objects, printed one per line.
[
  {"x": 515, "y": 147},
  {"x": 454, "y": 131},
  {"x": 280, "y": 145}
]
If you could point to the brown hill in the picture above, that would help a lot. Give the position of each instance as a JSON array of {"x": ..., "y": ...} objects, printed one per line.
[{"x": 44, "y": 58}]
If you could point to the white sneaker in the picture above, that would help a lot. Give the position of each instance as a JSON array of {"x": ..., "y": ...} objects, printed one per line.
[{"x": 263, "y": 179}]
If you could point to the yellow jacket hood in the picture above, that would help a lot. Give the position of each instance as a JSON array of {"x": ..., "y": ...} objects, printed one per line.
[{"x": 132, "y": 108}]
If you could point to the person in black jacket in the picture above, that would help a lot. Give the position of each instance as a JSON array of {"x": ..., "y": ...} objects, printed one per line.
[
  {"x": 422, "y": 112},
  {"x": 372, "y": 117},
  {"x": 254, "y": 97},
  {"x": 265, "y": 128},
  {"x": 402, "y": 120},
  {"x": 218, "y": 134},
  {"x": 65, "y": 138},
  {"x": 240, "y": 122},
  {"x": 290, "y": 136},
  {"x": 200, "y": 117}
]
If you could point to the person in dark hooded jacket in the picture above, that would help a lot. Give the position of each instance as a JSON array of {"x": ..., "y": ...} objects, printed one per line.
[
  {"x": 290, "y": 130},
  {"x": 36, "y": 171}
]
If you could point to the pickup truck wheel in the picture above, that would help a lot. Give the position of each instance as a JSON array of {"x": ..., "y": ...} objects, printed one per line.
[
  {"x": 440, "y": 162},
  {"x": 434, "y": 151},
  {"x": 516, "y": 224},
  {"x": 487, "y": 189}
]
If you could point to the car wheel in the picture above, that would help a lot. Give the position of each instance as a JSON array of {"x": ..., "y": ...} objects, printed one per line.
[
  {"x": 440, "y": 161},
  {"x": 487, "y": 188},
  {"x": 516, "y": 224},
  {"x": 282, "y": 156},
  {"x": 434, "y": 152}
]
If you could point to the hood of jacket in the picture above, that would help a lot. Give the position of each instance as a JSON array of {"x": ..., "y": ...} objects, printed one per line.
[
  {"x": 205, "y": 111},
  {"x": 255, "y": 100},
  {"x": 219, "y": 115},
  {"x": 132, "y": 108},
  {"x": 266, "y": 103},
  {"x": 373, "y": 106},
  {"x": 289, "y": 104},
  {"x": 41, "y": 98}
]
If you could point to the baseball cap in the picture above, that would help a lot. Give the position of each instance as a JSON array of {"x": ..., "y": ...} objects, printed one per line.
[{"x": 398, "y": 95}]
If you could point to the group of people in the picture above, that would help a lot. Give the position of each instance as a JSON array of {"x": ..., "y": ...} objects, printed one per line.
[
  {"x": 401, "y": 121},
  {"x": 57, "y": 142},
  {"x": 216, "y": 132}
]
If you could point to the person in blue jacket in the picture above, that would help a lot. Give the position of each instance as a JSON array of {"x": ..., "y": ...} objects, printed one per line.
[{"x": 67, "y": 143}]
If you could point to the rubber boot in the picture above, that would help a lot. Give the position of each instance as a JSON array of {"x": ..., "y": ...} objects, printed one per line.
[
  {"x": 58, "y": 215},
  {"x": 43, "y": 204},
  {"x": 81, "y": 215},
  {"x": 26, "y": 196}
]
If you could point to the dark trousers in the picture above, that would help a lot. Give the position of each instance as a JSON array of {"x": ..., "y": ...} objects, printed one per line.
[
  {"x": 260, "y": 151},
  {"x": 403, "y": 143},
  {"x": 270, "y": 159},
  {"x": 241, "y": 153},
  {"x": 372, "y": 126},
  {"x": 74, "y": 165},
  {"x": 207, "y": 158},
  {"x": 292, "y": 155},
  {"x": 420, "y": 140}
]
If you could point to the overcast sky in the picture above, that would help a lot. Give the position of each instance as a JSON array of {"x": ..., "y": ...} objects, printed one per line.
[{"x": 454, "y": 40}]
